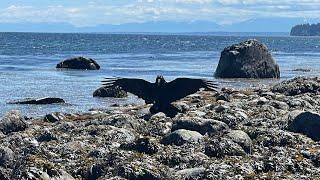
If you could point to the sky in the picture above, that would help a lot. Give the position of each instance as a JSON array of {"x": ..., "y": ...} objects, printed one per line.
[{"x": 83, "y": 13}]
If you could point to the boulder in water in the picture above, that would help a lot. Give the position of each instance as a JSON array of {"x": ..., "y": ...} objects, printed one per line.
[
  {"x": 46, "y": 100},
  {"x": 79, "y": 63},
  {"x": 249, "y": 59},
  {"x": 116, "y": 92}
]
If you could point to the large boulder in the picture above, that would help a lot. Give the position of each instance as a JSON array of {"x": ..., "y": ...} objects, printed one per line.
[
  {"x": 115, "y": 92},
  {"x": 46, "y": 100},
  {"x": 307, "y": 123},
  {"x": 79, "y": 63},
  {"x": 249, "y": 59}
]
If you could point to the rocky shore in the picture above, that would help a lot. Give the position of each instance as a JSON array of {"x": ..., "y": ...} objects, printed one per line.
[{"x": 269, "y": 133}]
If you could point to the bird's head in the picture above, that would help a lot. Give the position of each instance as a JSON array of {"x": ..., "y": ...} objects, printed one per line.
[{"x": 160, "y": 81}]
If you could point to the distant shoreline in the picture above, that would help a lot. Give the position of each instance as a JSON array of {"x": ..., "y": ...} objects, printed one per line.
[{"x": 275, "y": 34}]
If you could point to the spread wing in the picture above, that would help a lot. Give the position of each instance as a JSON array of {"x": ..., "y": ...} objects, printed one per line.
[
  {"x": 139, "y": 87},
  {"x": 182, "y": 87}
]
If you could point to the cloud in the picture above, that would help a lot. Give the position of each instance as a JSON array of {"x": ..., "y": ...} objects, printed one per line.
[{"x": 219, "y": 11}]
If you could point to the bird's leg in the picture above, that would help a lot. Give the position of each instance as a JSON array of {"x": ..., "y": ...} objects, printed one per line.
[
  {"x": 155, "y": 108},
  {"x": 170, "y": 110}
]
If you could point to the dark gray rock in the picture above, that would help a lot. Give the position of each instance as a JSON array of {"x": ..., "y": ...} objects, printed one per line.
[
  {"x": 46, "y": 100},
  {"x": 181, "y": 136},
  {"x": 79, "y": 63},
  {"x": 54, "y": 117},
  {"x": 6, "y": 156},
  {"x": 307, "y": 123},
  {"x": 12, "y": 122},
  {"x": 223, "y": 97},
  {"x": 223, "y": 147},
  {"x": 299, "y": 85},
  {"x": 202, "y": 126},
  {"x": 115, "y": 92},
  {"x": 46, "y": 136},
  {"x": 249, "y": 59},
  {"x": 142, "y": 145}
]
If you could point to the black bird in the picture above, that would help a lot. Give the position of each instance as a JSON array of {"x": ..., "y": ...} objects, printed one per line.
[{"x": 161, "y": 93}]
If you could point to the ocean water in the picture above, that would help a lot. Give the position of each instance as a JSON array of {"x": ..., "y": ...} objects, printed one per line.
[{"x": 28, "y": 60}]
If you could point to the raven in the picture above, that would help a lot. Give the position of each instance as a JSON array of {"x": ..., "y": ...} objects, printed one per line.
[{"x": 161, "y": 93}]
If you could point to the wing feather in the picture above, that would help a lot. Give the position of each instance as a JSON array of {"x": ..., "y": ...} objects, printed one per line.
[
  {"x": 139, "y": 87},
  {"x": 182, "y": 87}
]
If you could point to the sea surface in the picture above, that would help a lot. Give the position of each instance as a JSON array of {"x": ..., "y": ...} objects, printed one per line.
[{"x": 28, "y": 60}]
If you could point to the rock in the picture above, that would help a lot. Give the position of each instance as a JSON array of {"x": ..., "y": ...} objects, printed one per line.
[
  {"x": 302, "y": 70},
  {"x": 221, "y": 108},
  {"x": 158, "y": 116},
  {"x": 262, "y": 101},
  {"x": 115, "y": 92},
  {"x": 202, "y": 126},
  {"x": 12, "y": 122},
  {"x": 142, "y": 145},
  {"x": 46, "y": 136},
  {"x": 271, "y": 137},
  {"x": 223, "y": 147},
  {"x": 249, "y": 59},
  {"x": 36, "y": 173},
  {"x": 46, "y": 100},
  {"x": 192, "y": 173},
  {"x": 299, "y": 85},
  {"x": 79, "y": 63},
  {"x": 223, "y": 97},
  {"x": 94, "y": 172},
  {"x": 6, "y": 156},
  {"x": 181, "y": 136},
  {"x": 54, "y": 117},
  {"x": 5, "y": 174},
  {"x": 279, "y": 105},
  {"x": 241, "y": 138},
  {"x": 307, "y": 123},
  {"x": 181, "y": 106}
]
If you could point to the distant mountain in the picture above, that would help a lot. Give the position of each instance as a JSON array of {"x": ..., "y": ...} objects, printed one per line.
[
  {"x": 253, "y": 25},
  {"x": 306, "y": 30}
]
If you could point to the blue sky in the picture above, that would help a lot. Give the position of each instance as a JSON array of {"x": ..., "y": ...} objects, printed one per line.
[{"x": 93, "y": 12}]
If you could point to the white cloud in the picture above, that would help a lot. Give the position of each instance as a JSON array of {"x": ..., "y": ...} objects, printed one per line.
[{"x": 219, "y": 11}]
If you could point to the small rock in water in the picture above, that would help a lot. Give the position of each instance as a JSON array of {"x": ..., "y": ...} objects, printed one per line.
[
  {"x": 302, "y": 70},
  {"x": 115, "y": 92},
  {"x": 79, "y": 63},
  {"x": 46, "y": 100}
]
